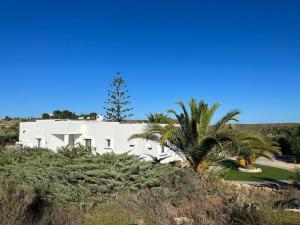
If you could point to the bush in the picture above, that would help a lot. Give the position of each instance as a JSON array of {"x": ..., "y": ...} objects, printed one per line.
[
  {"x": 288, "y": 139},
  {"x": 83, "y": 181},
  {"x": 43, "y": 187},
  {"x": 8, "y": 138},
  {"x": 73, "y": 152},
  {"x": 263, "y": 216}
]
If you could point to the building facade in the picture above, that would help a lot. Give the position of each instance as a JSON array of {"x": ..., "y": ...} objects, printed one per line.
[{"x": 99, "y": 135}]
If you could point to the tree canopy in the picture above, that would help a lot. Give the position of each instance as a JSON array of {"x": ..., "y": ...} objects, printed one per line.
[{"x": 118, "y": 103}]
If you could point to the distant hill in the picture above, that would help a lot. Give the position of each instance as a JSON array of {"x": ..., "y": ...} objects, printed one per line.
[
  {"x": 265, "y": 126},
  {"x": 9, "y": 132},
  {"x": 4, "y": 124}
]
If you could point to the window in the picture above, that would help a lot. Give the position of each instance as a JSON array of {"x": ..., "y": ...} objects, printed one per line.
[
  {"x": 108, "y": 143},
  {"x": 39, "y": 142},
  {"x": 88, "y": 143}
]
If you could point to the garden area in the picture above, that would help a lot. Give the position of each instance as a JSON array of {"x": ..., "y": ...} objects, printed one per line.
[{"x": 268, "y": 173}]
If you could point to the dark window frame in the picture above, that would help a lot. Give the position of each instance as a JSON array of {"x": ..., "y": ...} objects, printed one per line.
[
  {"x": 88, "y": 143},
  {"x": 39, "y": 142}
]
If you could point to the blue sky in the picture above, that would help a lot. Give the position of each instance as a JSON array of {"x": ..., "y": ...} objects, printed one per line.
[{"x": 63, "y": 55}]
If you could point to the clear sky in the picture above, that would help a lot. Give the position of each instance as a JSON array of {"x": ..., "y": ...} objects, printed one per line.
[{"x": 62, "y": 54}]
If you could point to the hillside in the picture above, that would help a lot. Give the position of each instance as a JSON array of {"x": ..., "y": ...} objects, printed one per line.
[
  {"x": 4, "y": 124},
  {"x": 265, "y": 126},
  {"x": 9, "y": 132}
]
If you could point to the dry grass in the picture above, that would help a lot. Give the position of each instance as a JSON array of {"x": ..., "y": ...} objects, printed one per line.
[{"x": 19, "y": 206}]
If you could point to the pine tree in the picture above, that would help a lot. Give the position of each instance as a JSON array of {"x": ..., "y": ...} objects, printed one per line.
[{"x": 118, "y": 103}]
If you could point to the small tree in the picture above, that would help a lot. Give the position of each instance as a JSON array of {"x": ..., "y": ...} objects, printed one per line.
[
  {"x": 45, "y": 116},
  {"x": 250, "y": 146},
  {"x": 93, "y": 116},
  {"x": 118, "y": 101},
  {"x": 66, "y": 114},
  {"x": 56, "y": 114},
  {"x": 7, "y": 118}
]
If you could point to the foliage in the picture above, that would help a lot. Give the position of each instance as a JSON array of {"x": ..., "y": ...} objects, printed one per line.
[
  {"x": 288, "y": 139},
  {"x": 82, "y": 181},
  {"x": 194, "y": 137},
  {"x": 157, "y": 160},
  {"x": 159, "y": 118},
  {"x": 263, "y": 216},
  {"x": 19, "y": 206},
  {"x": 202, "y": 199},
  {"x": 111, "y": 213},
  {"x": 90, "y": 116},
  {"x": 46, "y": 116},
  {"x": 73, "y": 152},
  {"x": 9, "y": 134},
  {"x": 296, "y": 181},
  {"x": 8, "y": 138},
  {"x": 249, "y": 146},
  {"x": 66, "y": 114},
  {"x": 7, "y": 118},
  {"x": 39, "y": 186},
  {"x": 118, "y": 101},
  {"x": 181, "y": 196},
  {"x": 295, "y": 144}
]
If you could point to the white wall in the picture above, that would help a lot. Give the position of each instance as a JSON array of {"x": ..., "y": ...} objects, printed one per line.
[{"x": 58, "y": 133}]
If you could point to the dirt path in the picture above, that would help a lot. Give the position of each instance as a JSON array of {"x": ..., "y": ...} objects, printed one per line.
[{"x": 278, "y": 164}]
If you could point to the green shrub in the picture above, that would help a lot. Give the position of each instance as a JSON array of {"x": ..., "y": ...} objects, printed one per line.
[
  {"x": 8, "y": 138},
  {"x": 9, "y": 134},
  {"x": 122, "y": 189},
  {"x": 84, "y": 180},
  {"x": 288, "y": 139},
  {"x": 73, "y": 152}
]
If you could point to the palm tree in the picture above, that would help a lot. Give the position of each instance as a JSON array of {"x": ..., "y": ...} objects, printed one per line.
[
  {"x": 250, "y": 146},
  {"x": 194, "y": 136},
  {"x": 159, "y": 118}
]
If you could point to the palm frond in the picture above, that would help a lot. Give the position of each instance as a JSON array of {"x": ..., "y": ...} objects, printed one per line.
[
  {"x": 194, "y": 137},
  {"x": 231, "y": 116}
]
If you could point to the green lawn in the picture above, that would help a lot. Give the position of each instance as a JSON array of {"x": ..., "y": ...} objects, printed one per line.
[{"x": 268, "y": 173}]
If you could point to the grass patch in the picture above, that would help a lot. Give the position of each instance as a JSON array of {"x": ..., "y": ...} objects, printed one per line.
[{"x": 268, "y": 173}]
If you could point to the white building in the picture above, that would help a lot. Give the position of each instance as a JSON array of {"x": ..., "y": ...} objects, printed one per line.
[{"x": 100, "y": 135}]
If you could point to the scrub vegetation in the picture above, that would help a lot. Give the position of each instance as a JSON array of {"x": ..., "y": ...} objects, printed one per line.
[
  {"x": 76, "y": 187},
  {"x": 9, "y": 131},
  {"x": 39, "y": 186}
]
